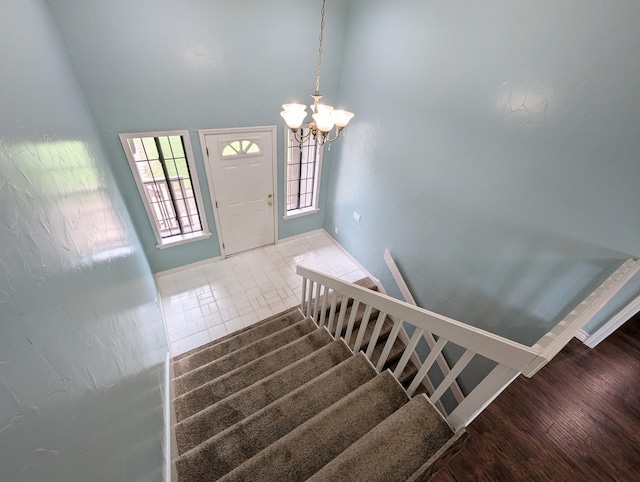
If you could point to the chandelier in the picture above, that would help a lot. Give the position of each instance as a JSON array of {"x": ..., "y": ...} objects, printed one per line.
[{"x": 325, "y": 117}]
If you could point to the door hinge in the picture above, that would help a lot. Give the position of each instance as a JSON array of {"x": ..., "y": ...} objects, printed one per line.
[
  {"x": 207, "y": 151},
  {"x": 216, "y": 204},
  {"x": 223, "y": 246}
]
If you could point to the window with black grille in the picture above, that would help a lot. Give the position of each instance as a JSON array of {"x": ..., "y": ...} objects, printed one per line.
[
  {"x": 164, "y": 171},
  {"x": 302, "y": 174}
]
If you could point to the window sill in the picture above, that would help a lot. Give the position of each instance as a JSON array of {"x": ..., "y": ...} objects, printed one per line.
[
  {"x": 183, "y": 239},
  {"x": 299, "y": 212}
]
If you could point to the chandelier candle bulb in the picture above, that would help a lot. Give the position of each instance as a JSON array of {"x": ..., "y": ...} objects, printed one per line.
[{"x": 342, "y": 117}]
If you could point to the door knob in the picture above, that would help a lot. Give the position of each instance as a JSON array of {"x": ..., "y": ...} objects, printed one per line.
[
  {"x": 270, "y": 196},
  {"x": 270, "y": 203}
]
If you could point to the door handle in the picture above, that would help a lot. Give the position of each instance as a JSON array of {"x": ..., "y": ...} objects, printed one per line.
[{"x": 270, "y": 196}]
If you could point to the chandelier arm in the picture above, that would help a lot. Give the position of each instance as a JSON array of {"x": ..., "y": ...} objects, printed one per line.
[
  {"x": 338, "y": 130},
  {"x": 299, "y": 137}
]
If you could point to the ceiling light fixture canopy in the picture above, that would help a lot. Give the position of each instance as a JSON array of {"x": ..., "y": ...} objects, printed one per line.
[{"x": 325, "y": 117}]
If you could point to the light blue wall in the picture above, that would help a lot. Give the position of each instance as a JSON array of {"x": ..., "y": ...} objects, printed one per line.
[
  {"x": 82, "y": 343},
  {"x": 161, "y": 65},
  {"x": 495, "y": 152}
]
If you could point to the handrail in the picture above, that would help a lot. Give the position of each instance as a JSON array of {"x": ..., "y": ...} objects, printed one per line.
[
  {"x": 320, "y": 295},
  {"x": 506, "y": 352}
]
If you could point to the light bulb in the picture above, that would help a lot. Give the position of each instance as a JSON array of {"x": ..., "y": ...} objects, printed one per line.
[
  {"x": 342, "y": 117},
  {"x": 324, "y": 121},
  {"x": 293, "y": 118},
  {"x": 294, "y": 107}
]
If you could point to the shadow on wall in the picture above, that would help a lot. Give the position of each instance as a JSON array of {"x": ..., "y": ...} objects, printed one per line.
[{"x": 519, "y": 294}]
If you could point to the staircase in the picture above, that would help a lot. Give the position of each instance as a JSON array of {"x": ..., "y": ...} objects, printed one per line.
[{"x": 285, "y": 401}]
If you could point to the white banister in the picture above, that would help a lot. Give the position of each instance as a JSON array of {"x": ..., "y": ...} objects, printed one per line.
[
  {"x": 491, "y": 346},
  {"x": 556, "y": 339},
  {"x": 481, "y": 396},
  {"x": 512, "y": 358}
]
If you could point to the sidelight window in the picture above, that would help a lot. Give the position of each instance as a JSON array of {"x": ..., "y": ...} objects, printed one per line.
[
  {"x": 302, "y": 175},
  {"x": 162, "y": 165}
]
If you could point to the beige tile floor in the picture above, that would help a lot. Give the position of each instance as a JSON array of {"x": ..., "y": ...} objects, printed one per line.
[{"x": 209, "y": 301}]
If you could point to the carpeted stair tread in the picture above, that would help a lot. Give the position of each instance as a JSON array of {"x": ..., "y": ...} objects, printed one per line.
[
  {"x": 407, "y": 375},
  {"x": 233, "y": 360},
  {"x": 305, "y": 450},
  {"x": 235, "y": 333},
  {"x": 207, "y": 353},
  {"x": 217, "y": 389},
  {"x": 364, "y": 283},
  {"x": 223, "y": 414},
  {"x": 393, "y": 450},
  {"x": 396, "y": 352},
  {"x": 222, "y": 453}
]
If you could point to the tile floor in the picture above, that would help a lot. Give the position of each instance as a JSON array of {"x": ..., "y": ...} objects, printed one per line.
[{"x": 206, "y": 302}]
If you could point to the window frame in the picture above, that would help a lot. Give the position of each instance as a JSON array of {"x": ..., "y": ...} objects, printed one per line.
[
  {"x": 314, "y": 208},
  {"x": 178, "y": 239}
]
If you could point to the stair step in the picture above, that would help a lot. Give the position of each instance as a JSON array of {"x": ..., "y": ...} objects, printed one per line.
[
  {"x": 219, "y": 348},
  {"x": 246, "y": 354},
  {"x": 223, "y": 414},
  {"x": 387, "y": 325},
  {"x": 219, "y": 388},
  {"x": 305, "y": 450},
  {"x": 394, "y": 450},
  {"x": 222, "y": 453},
  {"x": 396, "y": 352}
]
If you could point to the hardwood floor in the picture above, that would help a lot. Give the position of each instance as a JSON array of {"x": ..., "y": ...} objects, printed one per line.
[{"x": 578, "y": 419}]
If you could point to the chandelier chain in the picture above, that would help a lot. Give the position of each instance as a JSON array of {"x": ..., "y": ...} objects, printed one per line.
[{"x": 320, "y": 48}]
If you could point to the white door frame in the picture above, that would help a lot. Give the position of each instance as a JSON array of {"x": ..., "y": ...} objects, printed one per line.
[{"x": 274, "y": 162}]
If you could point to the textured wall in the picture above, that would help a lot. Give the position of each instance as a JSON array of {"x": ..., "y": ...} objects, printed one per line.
[
  {"x": 494, "y": 152},
  {"x": 82, "y": 343},
  {"x": 161, "y": 64}
]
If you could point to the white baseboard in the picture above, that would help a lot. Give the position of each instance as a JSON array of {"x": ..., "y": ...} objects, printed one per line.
[
  {"x": 582, "y": 335},
  {"x": 171, "y": 445},
  {"x": 616, "y": 321},
  {"x": 160, "y": 274},
  {"x": 298, "y": 236},
  {"x": 356, "y": 262}
]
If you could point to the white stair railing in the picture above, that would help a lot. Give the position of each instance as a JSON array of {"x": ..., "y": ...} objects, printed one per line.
[{"x": 320, "y": 294}]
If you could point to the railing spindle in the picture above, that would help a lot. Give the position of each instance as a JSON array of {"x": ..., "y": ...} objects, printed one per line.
[
  {"x": 352, "y": 320},
  {"x": 415, "y": 339},
  {"x": 323, "y": 310},
  {"x": 316, "y": 301},
  {"x": 309, "y": 298},
  {"x": 303, "y": 302},
  {"x": 455, "y": 371},
  {"x": 376, "y": 334},
  {"x": 426, "y": 366},
  {"x": 343, "y": 312},
  {"x": 332, "y": 312},
  {"x": 387, "y": 347},
  {"x": 363, "y": 328}
]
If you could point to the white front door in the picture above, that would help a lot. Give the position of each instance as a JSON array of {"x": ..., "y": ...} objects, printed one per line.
[{"x": 240, "y": 165}]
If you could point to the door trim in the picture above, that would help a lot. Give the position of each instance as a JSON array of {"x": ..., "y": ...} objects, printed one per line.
[{"x": 273, "y": 130}]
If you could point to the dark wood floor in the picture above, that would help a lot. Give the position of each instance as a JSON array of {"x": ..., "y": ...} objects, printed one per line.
[{"x": 578, "y": 419}]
